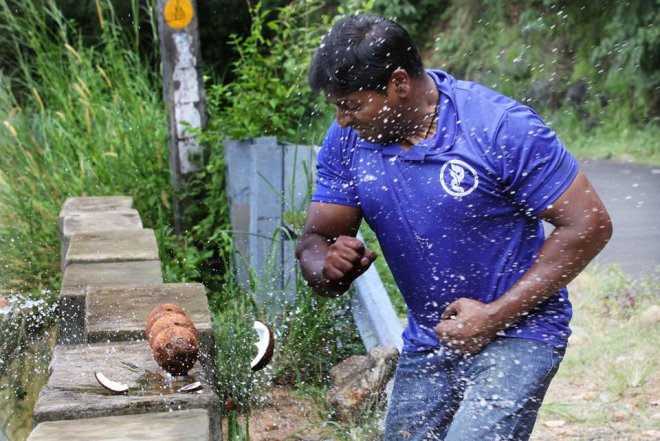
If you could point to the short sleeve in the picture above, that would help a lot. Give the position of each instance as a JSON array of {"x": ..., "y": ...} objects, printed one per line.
[
  {"x": 334, "y": 180},
  {"x": 536, "y": 167}
]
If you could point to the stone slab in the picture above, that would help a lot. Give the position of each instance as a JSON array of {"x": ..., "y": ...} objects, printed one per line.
[
  {"x": 119, "y": 313},
  {"x": 95, "y": 221},
  {"x": 185, "y": 425},
  {"x": 78, "y": 276},
  {"x": 112, "y": 246},
  {"x": 95, "y": 203},
  {"x": 90, "y": 222},
  {"x": 72, "y": 391},
  {"x": 76, "y": 279}
]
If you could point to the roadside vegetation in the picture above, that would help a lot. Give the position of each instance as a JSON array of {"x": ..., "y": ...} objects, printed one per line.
[{"x": 81, "y": 114}]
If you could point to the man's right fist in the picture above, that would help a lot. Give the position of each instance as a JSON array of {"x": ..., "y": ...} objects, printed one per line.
[{"x": 345, "y": 261}]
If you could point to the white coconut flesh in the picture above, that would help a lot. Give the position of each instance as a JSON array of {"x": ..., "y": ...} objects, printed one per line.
[
  {"x": 192, "y": 387},
  {"x": 265, "y": 345},
  {"x": 115, "y": 387}
]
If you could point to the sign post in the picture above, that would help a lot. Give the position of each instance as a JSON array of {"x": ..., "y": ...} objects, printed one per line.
[{"x": 183, "y": 90}]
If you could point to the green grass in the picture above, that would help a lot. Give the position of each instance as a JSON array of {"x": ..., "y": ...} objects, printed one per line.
[
  {"x": 611, "y": 139},
  {"x": 609, "y": 377},
  {"x": 76, "y": 120}
]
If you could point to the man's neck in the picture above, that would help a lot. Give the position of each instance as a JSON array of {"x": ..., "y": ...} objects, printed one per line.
[{"x": 421, "y": 112}]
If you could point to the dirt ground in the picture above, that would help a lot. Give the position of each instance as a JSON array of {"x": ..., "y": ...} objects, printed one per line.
[
  {"x": 284, "y": 417},
  {"x": 607, "y": 389},
  {"x": 297, "y": 419}
]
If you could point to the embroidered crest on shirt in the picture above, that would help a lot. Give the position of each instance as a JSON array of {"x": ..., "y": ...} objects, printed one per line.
[{"x": 453, "y": 178}]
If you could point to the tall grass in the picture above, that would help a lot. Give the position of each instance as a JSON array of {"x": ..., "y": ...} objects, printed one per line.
[
  {"x": 609, "y": 379},
  {"x": 76, "y": 121},
  {"x": 312, "y": 335}
]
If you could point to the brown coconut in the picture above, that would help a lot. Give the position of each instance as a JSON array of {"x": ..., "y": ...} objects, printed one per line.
[
  {"x": 176, "y": 349},
  {"x": 161, "y": 310},
  {"x": 167, "y": 321}
]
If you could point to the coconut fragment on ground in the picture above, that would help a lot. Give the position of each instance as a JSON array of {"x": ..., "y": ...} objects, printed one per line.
[
  {"x": 114, "y": 387},
  {"x": 192, "y": 387},
  {"x": 265, "y": 345}
]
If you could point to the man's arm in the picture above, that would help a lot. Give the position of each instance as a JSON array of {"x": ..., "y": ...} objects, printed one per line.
[
  {"x": 330, "y": 256},
  {"x": 582, "y": 229}
]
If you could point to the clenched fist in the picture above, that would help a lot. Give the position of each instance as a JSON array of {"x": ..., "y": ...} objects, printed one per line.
[{"x": 347, "y": 258}]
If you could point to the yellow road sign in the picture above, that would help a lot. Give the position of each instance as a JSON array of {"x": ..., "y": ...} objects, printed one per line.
[{"x": 178, "y": 13}]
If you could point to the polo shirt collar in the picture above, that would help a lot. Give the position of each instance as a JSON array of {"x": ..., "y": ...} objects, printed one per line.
[{"x": 446, "y": 126}]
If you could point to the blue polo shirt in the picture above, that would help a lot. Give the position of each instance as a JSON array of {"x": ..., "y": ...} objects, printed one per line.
[{"x": 456, "y": 214}]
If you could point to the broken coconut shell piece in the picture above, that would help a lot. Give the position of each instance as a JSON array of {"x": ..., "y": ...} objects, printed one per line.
[
  {"x": 176, "y": 349},
  {"x": 192, "y": 387},
  {"x": 114, "y": 387},
  {"x": 265, "y": 345}
]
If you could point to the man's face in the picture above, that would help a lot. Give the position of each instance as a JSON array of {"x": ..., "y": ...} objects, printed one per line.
[{"x": 371, "y": 114}]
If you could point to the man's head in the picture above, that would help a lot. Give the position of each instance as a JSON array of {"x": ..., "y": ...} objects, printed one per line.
[{"x": 360, "y": 53}]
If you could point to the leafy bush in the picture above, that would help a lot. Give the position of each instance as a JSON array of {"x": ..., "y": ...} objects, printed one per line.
[{"x": 591, "y": 65}]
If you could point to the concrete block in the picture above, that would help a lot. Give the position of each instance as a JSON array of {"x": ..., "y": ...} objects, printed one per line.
[
  {"x": 76, "y": 279},
  {"x": 119, "y": 313},
  {"x": 95, "y": 221},
  {"x": 185, "y": 425},
  {"x": 112, "y": 246},
  {"x": 95, "y": 203},
  {"x": 72, "y": 392}
]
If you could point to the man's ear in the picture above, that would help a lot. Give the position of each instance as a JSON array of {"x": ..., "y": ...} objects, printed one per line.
[{"x": 400, "y": 81}]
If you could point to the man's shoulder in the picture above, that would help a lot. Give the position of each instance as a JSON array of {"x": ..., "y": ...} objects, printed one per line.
[
  {"x": 482, "y": 102},
  {"x": 338, "y": 142},
  {"x": 474, "y": 101},
  {"x": 336, "y": 136}
]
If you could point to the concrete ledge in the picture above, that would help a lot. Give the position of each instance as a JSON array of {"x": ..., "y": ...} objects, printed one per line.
[
  {"x": 73, "y": 393},
  {"x": 91, "y": 222},
  {"x": 95, "y": 203},
  {"x": 77, "y": 277},
  {"x": 185, "y": 425},
  {"x": 125, "y": 219},
  {"x": 119, "y": 313},
  {"x": 112, "y": 246}
]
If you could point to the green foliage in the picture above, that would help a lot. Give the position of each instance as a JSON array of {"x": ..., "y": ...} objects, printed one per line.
[
  {"x": 268, "y": 95},
  {"x": 315, "y": 334},
  {"x": 608, "y": 140},
  {"x": 542, "y": 53},
  {"x": 235, "y": 346},
  {"x": 416, "y": 16}
]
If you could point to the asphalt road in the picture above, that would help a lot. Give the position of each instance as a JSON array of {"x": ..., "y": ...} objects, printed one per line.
[{"x": 631, "y": 194}]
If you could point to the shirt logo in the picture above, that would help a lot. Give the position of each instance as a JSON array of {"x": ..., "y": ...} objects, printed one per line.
[{"x": 452, "y": 178}]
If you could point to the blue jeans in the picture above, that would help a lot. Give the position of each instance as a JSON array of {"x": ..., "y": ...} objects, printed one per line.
[{"x": 492, "y": 395}]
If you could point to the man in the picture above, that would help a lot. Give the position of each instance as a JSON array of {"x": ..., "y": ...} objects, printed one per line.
[{"x": 454, "y": 179}]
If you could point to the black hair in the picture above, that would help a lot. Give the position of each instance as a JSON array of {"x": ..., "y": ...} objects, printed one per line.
[{"x": 360, "y": 53}]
